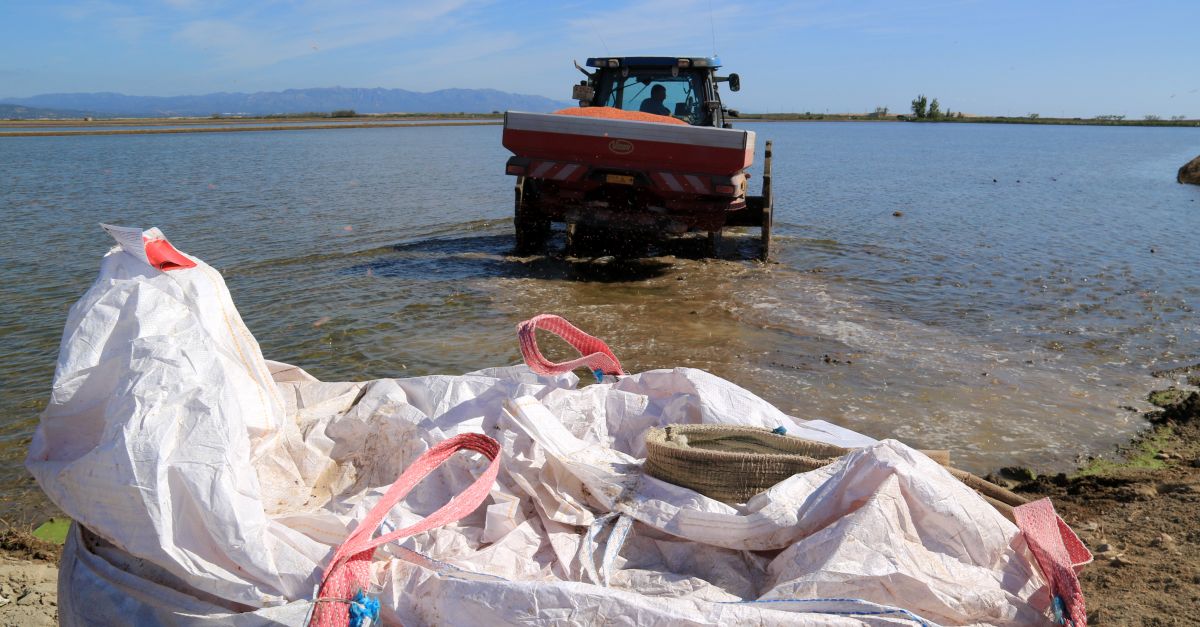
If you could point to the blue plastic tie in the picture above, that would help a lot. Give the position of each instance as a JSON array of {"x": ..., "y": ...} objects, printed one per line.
[
  {"x": 599, "y": 375},
  {"x": 1060, "y": 611},
  {"x": 362, "y": 608},
  {"x": 780, "y": 430}
]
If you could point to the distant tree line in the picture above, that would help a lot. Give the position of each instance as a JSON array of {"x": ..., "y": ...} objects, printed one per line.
[{"x": 925, "y": 109}]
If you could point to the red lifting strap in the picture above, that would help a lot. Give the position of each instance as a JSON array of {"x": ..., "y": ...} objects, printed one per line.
[
  {"x": 595, "y": 354},
  {"x": 350, "y": 568},
  {"x": 1059, "y": 553},
  {"x": 162, "y": 255}
]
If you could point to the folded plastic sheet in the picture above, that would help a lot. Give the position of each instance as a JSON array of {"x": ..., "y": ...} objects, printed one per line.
[{"x": 212, "y": 485}]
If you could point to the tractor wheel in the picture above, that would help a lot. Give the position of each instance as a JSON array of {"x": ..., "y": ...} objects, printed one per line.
[
  {"x": 768, "y": 209},
  {"x": 714, "y": 243},
  {"x": 532, "y": 226},
  {"x": 577, "y": 239},
  {"x": 585, "y": 239}
]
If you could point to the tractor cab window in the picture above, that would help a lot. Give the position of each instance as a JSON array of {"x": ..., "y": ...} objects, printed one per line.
[{"x": 660, "y": 93}]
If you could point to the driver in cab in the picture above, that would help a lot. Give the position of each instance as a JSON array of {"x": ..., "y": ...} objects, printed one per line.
[{"x": 654, "y": 104}]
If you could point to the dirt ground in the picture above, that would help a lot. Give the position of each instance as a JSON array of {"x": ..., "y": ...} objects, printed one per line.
[
  {"x": 1140, "y": 516},
  {"x": 28, "y": 580},
  {"x": 1139, "y": 513}
]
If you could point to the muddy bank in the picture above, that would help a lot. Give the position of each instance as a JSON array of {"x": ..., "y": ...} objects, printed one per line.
[
  {"x": 28, "y": 579},
  {"x": 1137, "y": 510}
]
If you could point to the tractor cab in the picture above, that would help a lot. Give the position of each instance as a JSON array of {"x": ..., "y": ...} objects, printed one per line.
[{"x": 680, "y": 87}]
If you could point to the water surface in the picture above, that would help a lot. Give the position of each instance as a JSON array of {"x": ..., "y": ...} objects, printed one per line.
[{"x": 1034, "y": 278}]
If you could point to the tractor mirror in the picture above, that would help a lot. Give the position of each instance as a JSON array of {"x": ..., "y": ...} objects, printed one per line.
[
  {"x": 735, "y": 82},
  {"x": 583, "y": 92}
]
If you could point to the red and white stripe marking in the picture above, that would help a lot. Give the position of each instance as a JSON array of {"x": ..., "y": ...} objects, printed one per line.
[
  {"x": 555, "y": 170},
  {"x": 682, "y": 183}
]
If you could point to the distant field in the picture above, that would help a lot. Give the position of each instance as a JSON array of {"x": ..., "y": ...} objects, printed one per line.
[
  {"x": 852, "y": 117},
  {"x": 306, "y": 117},
  {"x": 309, "y": 121},
  {"x": 1075, "y": 121},
  {"x": 163, "y": 126}
]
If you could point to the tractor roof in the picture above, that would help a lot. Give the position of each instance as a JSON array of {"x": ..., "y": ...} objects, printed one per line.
[{"x": 712, "y": 62}]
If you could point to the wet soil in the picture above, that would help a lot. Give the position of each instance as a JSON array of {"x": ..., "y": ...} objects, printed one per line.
[{"x": 1139, "y": 513}]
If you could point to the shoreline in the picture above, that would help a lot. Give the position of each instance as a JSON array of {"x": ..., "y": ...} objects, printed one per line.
[
  {"x": 219, "y": 127},
  {"x": 1137, "y": 513},
  {"x": 289, "y": 122},
  {"x": 981, "y": 119},
  {"x": 261, "y": 119}
]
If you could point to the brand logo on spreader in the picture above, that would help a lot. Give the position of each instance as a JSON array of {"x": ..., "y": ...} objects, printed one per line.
[{"x": 620, "y": 146}]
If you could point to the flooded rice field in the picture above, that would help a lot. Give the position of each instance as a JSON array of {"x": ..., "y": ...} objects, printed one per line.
[{"x": 1010, "y": 313}]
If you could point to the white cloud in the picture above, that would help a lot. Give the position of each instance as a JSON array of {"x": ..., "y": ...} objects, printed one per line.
[
  {"x": 236, "y": 45},
  {"x": 265, "y": 38},
  {"x": 473, "y": 61}
]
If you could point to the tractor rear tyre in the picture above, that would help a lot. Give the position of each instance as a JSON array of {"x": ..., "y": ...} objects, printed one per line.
[
  {"x": 714, "y": 243},
  {"x": 531, "y": 225},
  {"x": 581, "y": 239}
]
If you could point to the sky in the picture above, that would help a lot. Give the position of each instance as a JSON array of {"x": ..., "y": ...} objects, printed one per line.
[{"x": 1055, "y": 58}]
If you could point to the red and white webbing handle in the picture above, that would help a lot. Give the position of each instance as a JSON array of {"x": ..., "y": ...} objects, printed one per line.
[
  {"x": 594, "y": 353},
  {"x": 1059, "y": 553},
  {"x": 350, "y": 568}
]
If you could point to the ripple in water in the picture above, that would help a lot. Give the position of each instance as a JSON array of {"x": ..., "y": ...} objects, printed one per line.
[{"x": 1007, "y": 321}]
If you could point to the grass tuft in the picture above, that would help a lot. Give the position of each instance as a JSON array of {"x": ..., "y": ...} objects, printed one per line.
[{"x": 1143, "y": 456}]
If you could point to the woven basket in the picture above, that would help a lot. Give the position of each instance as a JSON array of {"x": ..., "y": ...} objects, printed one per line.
[{"x": 731, "y": 463}]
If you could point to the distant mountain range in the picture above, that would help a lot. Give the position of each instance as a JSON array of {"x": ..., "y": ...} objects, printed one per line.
[
  {"x": 325, "y": 99},
  {"x": 18, "y": 112}
]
